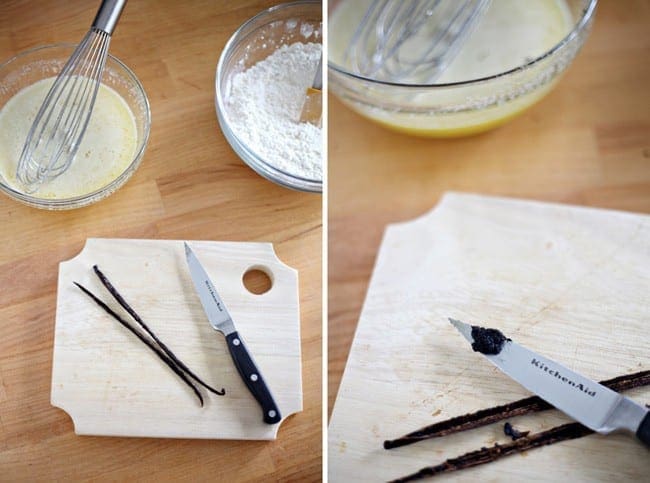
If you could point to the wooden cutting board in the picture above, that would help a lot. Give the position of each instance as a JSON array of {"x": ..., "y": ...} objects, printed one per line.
[
  {"x": 110, "y": 383},
  {"x": 571, "y": 283}
]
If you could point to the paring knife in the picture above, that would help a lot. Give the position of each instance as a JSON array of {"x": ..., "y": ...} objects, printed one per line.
[
  {"x": 221, "y": 321},
  {"x": 584, "y": 400}
]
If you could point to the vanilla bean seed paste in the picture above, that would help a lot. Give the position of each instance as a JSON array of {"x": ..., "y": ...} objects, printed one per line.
[{"x": 487, "y": 341}]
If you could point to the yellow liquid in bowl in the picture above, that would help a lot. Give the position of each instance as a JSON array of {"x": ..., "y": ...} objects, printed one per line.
[
  {"x": 510, "y": 34},
  {"x": 106, "y": 150},
  {"x": 459, "y": 124}
]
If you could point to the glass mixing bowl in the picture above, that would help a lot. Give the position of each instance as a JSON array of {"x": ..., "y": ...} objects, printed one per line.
[
  {"x": 255, "y": 40},
  {"x": 467, "y": 107},
  {"x": 40, "y": 63}
]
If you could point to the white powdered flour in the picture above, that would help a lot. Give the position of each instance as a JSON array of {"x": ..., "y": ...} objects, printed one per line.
[{"x": 264, "y": 104}]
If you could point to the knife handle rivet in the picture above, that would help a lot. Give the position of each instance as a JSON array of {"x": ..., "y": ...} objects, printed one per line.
[
  {"x": 236, "y": 342},
  {"x": 253, "y": 377},
  {"x": 271, "y": 413}
]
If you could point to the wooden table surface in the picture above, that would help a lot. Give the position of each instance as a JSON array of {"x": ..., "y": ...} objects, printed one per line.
[
  {"x": 586, "y": 143},
  {"x": 191, "y": 185}
]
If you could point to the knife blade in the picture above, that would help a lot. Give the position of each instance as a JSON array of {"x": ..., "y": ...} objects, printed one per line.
[
  {"x": 593, "y": 405},
  {"x": 221, "y": 321}
]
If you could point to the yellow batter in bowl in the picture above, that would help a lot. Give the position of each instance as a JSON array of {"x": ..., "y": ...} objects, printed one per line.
[
  {"x": 511, "y": 60},
  {"x": 111, "y": 149},
  {"x": 107, "y": 148}
]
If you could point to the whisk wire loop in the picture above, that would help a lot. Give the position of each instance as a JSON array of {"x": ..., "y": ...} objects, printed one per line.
[
  {"x": 411, "y": 41},
  {"x": 61, "y": 121}
]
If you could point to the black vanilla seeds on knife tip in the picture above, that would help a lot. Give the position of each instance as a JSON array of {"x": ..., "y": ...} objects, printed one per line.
[{"x": 487, "y": 341}]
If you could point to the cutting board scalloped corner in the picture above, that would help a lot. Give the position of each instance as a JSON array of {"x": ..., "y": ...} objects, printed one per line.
[
  {"x": 93, "y": 376},
  {"x": 568, "y": 281}
]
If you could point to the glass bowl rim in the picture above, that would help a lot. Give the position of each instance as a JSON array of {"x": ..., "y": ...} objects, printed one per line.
[
  {"x": 88, "y": 198},
  {"x": 587, "y": 15}
]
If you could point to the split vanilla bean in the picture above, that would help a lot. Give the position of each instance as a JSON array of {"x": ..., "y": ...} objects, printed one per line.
[
  {"x": 499, "y": 413},
  {"x": 120, "y": 300},
  {"x": 164, "y": 357},
  {"x": 482, "y": 456}
]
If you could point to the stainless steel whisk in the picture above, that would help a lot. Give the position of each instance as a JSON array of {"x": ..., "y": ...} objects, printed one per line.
[
  {"x": 62, "y": 119},
  {"x": 411, "y": 41}
]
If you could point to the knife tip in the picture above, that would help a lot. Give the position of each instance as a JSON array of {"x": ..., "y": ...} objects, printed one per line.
[
  {"x": 188, "y": 250},
  {"x": 456, "y": 323},
  {"x": 463, "y": 328}
]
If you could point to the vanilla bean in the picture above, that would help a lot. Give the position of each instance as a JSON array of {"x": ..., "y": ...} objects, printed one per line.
[
  {"x": 482, "y": 456},
  {"x": 120, "y": 300},
  {"x": 164, "y": 357},
  {"x": 498, "y": 413}
]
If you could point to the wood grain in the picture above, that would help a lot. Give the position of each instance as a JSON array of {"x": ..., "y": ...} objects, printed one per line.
[
  {"x": 569, "y": 283},
  {"x": 191, "y": 185},
  {"x": 586, "y": 143}
]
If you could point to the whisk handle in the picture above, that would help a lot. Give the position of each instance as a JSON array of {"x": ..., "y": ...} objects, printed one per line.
[{"x": 108, "y": 14}]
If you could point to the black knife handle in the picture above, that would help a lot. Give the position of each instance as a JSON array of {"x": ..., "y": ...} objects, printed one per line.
[
  {"x": 643, "y": 432},
  {"x": 253, "y": 378}
]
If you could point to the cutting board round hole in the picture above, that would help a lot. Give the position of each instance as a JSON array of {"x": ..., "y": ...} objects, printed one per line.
[{"x": 258, "y": 280}]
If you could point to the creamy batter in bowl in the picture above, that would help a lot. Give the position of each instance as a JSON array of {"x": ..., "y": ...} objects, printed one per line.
[
  {"x": 513, "y": 58},
  {"x": 112, "y": 147}
]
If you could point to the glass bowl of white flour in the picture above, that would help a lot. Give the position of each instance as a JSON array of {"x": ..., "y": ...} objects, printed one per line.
[
  {"x": 111, "y": 149},
  {"x": 261, "y": 80}
]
